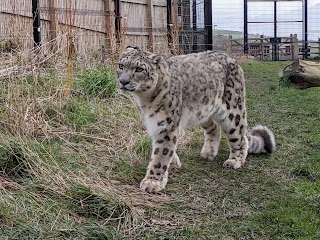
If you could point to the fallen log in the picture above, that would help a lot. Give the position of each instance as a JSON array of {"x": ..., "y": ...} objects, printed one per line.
[{"x": 302, "y": 74}]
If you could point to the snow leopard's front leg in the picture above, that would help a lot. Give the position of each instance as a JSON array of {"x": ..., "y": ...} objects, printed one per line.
[
  {"x": 163, "y": 154},
  {"x": 212, "y": 136}
]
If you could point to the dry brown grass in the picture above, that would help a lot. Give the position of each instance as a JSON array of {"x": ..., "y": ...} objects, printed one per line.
[
  {"x": 30, "y": 98},
  {"x": 111, "y": 154}
]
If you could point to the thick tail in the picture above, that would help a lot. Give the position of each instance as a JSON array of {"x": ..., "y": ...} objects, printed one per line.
[{"x": 261, "y": 139}]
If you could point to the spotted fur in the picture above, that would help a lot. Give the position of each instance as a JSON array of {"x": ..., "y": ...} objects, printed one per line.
[{"x": 202, "y": 89}]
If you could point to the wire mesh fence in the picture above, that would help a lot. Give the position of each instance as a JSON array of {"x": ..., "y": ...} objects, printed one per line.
[
  {"x": 195, "y": 28},
  {"x": 273, "y": 28},
  {"x": 97, "y": 27},
  {"x": 106, "y": 26}
]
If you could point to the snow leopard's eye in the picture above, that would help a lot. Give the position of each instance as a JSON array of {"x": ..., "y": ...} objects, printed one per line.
[
  {"x": 139, "y": 69},
  {"x": 121, "y": 66}
]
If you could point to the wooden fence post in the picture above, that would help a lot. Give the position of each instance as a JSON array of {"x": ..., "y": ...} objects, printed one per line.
[
  {"x": 53, "y": 25},
  {"x": 149, "y": 20},
  {"x": 291, "y": 46},
  {"x": 175, "y": 27},
  {"x": 117, "y": 10},
  {"x": 295, "y": 47},
  {"x": 229, "y": 44},
  {"x": 262, "y": 47},
  {"x": 108, "y": 27}
]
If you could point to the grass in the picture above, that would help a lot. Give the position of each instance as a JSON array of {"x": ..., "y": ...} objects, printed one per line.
[
  {"x": 78, "y": 177},
  {"x": 97, "y": 82},
  {"x": 80, "y": 113}
]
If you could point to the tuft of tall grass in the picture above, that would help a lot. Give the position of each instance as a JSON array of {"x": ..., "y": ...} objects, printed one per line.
[
  {"x": 97, "y": 82},
  {"x": 85, "y": 202},
  {"x": 143, "y": 146},
  {"x": 79, "y": 113},
  {"x": 13, "y": 162}
]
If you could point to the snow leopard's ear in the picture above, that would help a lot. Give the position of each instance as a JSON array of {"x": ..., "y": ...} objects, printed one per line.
[
  {"x": 156, "y": 58},
  {"x": 129, "y": 47}
]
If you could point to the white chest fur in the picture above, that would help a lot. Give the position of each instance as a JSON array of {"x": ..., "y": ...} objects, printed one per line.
[{"x": 151, "y": 125}]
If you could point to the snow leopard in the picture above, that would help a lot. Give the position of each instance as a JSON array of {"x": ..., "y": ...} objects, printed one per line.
[{"x": 205, "y": 89}]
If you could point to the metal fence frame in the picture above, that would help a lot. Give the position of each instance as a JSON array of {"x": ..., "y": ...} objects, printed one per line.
[{"x": 276, "y": 41}]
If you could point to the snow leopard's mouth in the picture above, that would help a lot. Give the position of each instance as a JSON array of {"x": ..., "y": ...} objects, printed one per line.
[{"x": 124, "y": 89}]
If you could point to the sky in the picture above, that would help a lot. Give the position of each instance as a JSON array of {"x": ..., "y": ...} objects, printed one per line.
[{"x": 228, "y": 14}]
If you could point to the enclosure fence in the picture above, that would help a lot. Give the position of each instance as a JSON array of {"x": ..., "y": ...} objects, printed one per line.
[
  {"x": 105, "y": 27},
  {"x": 275, "y": 29},
  {"x": 102, "y": 28},
  {"x": 88, "y": 26}
]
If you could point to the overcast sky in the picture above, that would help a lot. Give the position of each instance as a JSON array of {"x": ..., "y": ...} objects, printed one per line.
[{"x": 228, "y": 14}]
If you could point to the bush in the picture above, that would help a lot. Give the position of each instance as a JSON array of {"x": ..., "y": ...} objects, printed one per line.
[{"x": 97, "y": 82}]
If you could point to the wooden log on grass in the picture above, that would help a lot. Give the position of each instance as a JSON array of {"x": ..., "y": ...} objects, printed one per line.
[{"x": 302, "y": 74}]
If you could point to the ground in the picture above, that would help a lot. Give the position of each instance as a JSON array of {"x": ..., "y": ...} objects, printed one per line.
[{"x": 78, "y": 176}]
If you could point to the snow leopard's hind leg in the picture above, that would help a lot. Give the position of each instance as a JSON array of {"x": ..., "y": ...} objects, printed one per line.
[
  {"x": 238, "y": 142},
  {"x": 232, "y": 116}
]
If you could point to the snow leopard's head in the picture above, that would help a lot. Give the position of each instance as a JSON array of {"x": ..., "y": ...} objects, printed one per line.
[{"x": 137, "y": 70}]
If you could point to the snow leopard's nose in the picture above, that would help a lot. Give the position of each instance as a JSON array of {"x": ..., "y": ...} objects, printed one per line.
[{"x": 124, "y": 81}]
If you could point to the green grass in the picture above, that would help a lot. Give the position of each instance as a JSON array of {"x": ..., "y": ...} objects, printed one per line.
[
  {"x": 80, "y": 113},
  {"x": 97, "y": 82},
  {"x": 80, "y": 180}
]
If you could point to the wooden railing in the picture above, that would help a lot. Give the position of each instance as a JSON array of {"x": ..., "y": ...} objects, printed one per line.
[{"x": 265, "y": 48}]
